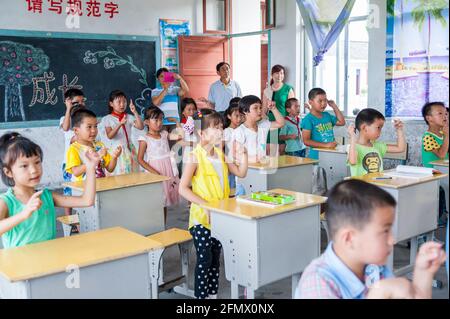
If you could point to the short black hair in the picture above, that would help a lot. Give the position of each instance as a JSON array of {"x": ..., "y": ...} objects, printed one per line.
[
  {"x": 71, "y": 93},
  {"x": 12, "y": 146},
  {"x": 235, "y": 100},
  {"x": 221, "y": 64},
  {"x": 247, "y": 101},
  {"x": 353, "y": 202},
  {"x": 206, "y": 118},
  {"x": 314, "y": 92},
  {"x": 79, "y": 115},
  {"x": 153, "y": 112},
  {"x": 367, "y": 116},
  {"x": 427, "y": 108},
  {"x": 186, "y": 101},
  {"x": 289, "y": 102},
  {"x": 158, "y": 73},
  {"x": 114, "y": 95}
]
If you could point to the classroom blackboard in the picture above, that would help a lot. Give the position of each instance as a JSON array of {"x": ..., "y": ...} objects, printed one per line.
[{"x": 36, "y": 71}]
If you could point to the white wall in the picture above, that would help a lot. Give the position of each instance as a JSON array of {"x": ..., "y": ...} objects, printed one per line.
[
  {"x": 247, "y": 50},
  {"x": 137, "y": 17},
  {"x": 377, "y": 56},
  {"x": 285, "y": 42}
]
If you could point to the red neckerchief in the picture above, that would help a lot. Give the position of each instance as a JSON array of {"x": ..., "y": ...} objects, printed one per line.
[
  {"x": 120, "y": 117},
  {"x": 295, "y": 123},
  {"x": 183, "y": 120}
]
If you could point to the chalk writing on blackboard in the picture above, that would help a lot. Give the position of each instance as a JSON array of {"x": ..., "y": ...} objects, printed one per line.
[
  {"x": 39, "y": 93},
  {"x": 19, "y": 63},
  {"x": 111, "y": 59}
]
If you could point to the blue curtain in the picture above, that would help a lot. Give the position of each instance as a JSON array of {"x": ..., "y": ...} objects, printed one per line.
[{"x": 324, "y": 21}]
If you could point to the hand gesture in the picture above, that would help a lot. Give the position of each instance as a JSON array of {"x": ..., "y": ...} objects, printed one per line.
[
  {"x": 68, "y": 103},
  {"x": 445, "y": 129},
  {"x": 33, "y": 204},
  {"x": 332, "y": 104},
  {"x": 92, "y": 158},
  {"x": 123, "y": 121},
  {"x": 398, "y": 125},
  {"x": 117, "y": 152},
  {"x": 102, "y": 152},
  {"x": 165, "y": 85},
  {"x": 176, "y": 76},
  {"x": 132, "y": 107},
  {"x": 331, "y": 145},
  {"x": 351, "y": 130},
  {"x": 430, "y": 258}
]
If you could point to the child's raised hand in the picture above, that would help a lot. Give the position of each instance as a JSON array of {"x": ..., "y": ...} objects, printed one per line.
[
  {"x": 430, "y": 258},
  {"x": 117, "y": 152},
  {"x": 68, "y": 103},
  {"x": 33, "y": 204},
  {"x": 93, "y": 158},
  {"x": 332, "y": 104},
  {"x": 351, "y": 130},
  {"x": 398, "y": 125},
  {"x": 102, "y": 152},
  {"x": 124, "y": 120},
  {"x": 132, "y": 107}
]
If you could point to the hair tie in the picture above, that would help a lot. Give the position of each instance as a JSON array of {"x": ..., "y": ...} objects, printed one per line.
[{"x": 199, "y": 114}]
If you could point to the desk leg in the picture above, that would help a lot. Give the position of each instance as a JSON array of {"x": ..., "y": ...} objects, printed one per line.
[
  {"x": 154, "y": 262},
  {"x": 295, "y": 281},
  {"x": 234, "y": 290},
  {"x": 183, "y": 289}
]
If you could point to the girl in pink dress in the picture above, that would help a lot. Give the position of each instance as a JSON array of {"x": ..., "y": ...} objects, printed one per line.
[{"x": 156, "y": 157}]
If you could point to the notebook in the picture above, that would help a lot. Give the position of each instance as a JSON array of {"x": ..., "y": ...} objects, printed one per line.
[{"x": 411, "y": 172}]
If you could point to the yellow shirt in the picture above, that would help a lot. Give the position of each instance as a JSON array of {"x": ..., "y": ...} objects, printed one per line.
[
  {"x": 76, "y": 153},
  {"x": 206, "y": 184}
]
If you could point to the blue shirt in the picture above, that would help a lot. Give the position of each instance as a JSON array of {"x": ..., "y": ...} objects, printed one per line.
[
  {"x": 321, "y": 129},
  {"x": 221, "y": 94},
  {"x": 328, "y": 277},
  {"x": 290, "y": 128},
  {"x": 169, "y": 104}
]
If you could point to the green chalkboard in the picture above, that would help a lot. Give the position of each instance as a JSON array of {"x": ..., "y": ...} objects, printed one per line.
[{"x": 35, "y": 71}]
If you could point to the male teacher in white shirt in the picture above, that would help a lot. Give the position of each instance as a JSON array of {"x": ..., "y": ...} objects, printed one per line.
[{"x": 223, "y": 90}]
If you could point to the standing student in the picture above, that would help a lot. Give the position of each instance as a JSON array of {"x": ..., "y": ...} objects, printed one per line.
[
  {"x": 207, "y": 171},
  {"x": 435, "y": 143},
  {"x": 85, "y": 128},
  {"x": 291, "y": 132},
  {"x": 360, "y": 218},
  {"x": 73, "y": 99},
  {"x": 318, "y": 125},
  {"x": 222, "y": 91},
  {"x": 155, "y": 155},
  {"x": 366, "y": 152},
  {"x": 28, "y": 216},
  {"x": 118, "y": 126},
  {"x": 233, "y": 119},
  {"x": 278, "y": 92}
]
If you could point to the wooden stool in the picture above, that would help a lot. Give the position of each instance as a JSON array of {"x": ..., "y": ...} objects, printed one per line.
[
  {"x": 68, "y": 222},
  {"x": 169, "y": 238}
]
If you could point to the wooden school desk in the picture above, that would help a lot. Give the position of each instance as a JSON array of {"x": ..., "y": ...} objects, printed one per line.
[
  {"x": 417, "y": 209},
  {"x": 261, "y": 244},
  {"x": 442, "y": 166},
  {"x": 334, "y": 161},
  {"x": 111, "y": 263},
  {"x": 132, "y": 201},
  {"x": 287, "y": 172}
]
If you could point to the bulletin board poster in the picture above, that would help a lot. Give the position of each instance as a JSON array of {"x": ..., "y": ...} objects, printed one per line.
[
  {"x": 169, "y": 30},
  {"x": 417, "y": 57}
]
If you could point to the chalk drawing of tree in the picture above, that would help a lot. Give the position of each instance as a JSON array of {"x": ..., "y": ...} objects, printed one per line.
[
  {"x": 111, "y": 60},
  {"x": 19, "y": 63}
]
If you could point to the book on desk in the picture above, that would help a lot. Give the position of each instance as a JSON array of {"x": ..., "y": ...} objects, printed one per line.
[{"x": 411, "y": 172}]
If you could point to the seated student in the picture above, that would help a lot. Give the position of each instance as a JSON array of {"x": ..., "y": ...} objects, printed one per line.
[
  {"x": 318, "y": 125},
  {"x": 84, "y": 124},
  {"x": 360, "y": 218},
  {"x": 28, "y": 216},
  {"x": 291, "y": 132},
  {"x": 365, "y": 154},
  {"x": 435, "y": 143}
]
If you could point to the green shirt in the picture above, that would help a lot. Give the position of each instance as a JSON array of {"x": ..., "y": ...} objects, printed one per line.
[
  {"x": 291, "y": 127},
  {"x": 369, "y": 159},
  {"x": 431, "y": 142},
  {"x": 41, "y": 226},
  {"x": 280, "y": 97}
]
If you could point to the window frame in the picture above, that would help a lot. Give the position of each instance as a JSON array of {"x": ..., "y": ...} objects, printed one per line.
[{"x": 227, "y": 4}]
